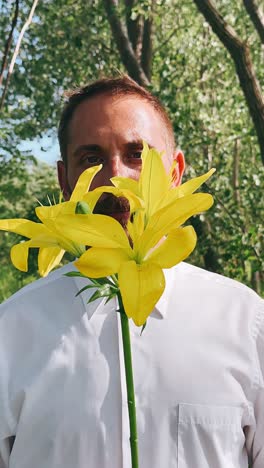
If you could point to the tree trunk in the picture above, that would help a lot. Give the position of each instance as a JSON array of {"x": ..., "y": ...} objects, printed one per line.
[
  {"x": 147, "y": 44},
  {"x": 134, "y": 28}
]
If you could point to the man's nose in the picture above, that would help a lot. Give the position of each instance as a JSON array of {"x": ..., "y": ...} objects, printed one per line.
[{"x": 116, "y": 168}]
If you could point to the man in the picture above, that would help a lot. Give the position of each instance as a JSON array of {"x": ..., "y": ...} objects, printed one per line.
[
  {"x": 108, "y": 129},
  {"x": 198, "y": 367}
]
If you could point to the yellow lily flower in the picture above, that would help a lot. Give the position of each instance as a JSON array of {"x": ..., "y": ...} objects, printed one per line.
[
  {"x": 51, "y": 242},
  {"x": 155, "y": 186},
  {"x": 157, "y": 238}
]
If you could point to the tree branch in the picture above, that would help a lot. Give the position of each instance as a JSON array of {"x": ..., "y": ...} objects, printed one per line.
[
  {"x": 240, "y": 54},
  {"x": 168, "y": 38},
  {"x": 9, "y": 42},
  {"x": 11, "y": 67},
  {"x": 256, "y": 16},
  {"x": 124, "y": 45}
]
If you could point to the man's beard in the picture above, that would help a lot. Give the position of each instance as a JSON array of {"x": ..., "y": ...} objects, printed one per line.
[{"x": 116, "y": 207}]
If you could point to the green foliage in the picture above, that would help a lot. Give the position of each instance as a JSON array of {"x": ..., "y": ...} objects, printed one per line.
[
  {"x": 21, "y": 190},
  {"x": 70, "y": 43}
]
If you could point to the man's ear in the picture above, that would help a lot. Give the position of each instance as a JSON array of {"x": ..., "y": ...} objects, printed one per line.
[
  {"x": 178, "y": 171},
  {"x": 63, "y": 180}
]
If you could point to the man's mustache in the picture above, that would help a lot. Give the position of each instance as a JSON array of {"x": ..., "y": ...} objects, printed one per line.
[{"x": 109, "y": 204}]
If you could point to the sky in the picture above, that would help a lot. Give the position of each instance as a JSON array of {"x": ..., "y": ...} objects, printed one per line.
[{"x": 45, "y": 149}]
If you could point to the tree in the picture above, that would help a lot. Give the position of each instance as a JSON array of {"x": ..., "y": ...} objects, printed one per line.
[{"x": 240, "y": 53}]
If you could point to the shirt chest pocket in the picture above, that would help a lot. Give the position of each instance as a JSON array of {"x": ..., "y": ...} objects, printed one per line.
[{"x": 210, "y": 437}]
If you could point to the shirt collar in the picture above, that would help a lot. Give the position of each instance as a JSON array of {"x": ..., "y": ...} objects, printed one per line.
[{"x": 159, "y": 311}]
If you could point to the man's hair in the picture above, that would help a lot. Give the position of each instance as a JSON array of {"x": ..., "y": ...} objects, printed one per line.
[{"x": 120, "y": 86}]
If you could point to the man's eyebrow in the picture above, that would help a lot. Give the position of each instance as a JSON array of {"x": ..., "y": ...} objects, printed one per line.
[
  {"x": 136, "y": 144},
  {"x": 82, "y": 148},
  {"x": 130, "y": 145}
]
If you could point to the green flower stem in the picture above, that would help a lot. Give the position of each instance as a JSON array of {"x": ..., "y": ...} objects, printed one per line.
[{"x": 129, "y": 384}]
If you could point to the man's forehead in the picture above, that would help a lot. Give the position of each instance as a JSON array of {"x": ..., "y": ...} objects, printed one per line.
[
  {"x": 104, "y": 104},
  {"x": 131, "y": 117}
]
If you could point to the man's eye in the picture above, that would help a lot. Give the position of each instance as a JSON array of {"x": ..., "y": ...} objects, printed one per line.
[{"x": 92, "y": 159}]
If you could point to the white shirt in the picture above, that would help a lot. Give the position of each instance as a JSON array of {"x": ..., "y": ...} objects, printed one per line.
[{"x": 198, "y": 371}]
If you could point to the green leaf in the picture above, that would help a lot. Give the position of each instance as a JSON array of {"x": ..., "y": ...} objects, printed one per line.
[
  {"x": 74, "y": 273},
  {"x": 110, "y": 297},
  {"x": 105, "y": 290},
  {"x": 89, "y": 286}
]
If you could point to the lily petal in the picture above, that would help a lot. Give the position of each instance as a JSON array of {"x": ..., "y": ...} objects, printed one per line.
[
  {"x": 57, "y": 240},
  {"x": 24, "y": 227},
  {"x": 49, "y": 258},
  {"x": 193, "y": 184},
  {"x": 84, "y": 182},
  {"x": 136, "y": 228},
  {"x": 93, "y": 230},
  {"x": 141, "y": 286},
  {"x": 125, "y": 183},
  {"x": 44, "y": 241},
  {"x": 45, "y": 213},
  {"x": 173, "y": 216},
  {"x": 91, "y": 198},
  {"x": 153, "y": 181},
  {"x": 175, "y": 248},
  {"x": 19, "y": 255},
  {"x": 185, "y": 189},
  {"x": 98, "y": 263}
]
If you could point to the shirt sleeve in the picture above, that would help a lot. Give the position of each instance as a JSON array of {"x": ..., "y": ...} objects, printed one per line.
[{"x": 257, "y": 449}]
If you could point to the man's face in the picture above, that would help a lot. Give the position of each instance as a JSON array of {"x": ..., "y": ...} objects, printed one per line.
[{"x": 109, "y": 131}]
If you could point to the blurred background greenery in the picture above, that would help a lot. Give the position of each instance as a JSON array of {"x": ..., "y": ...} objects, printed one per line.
[{"x": 203, "y": 59}]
